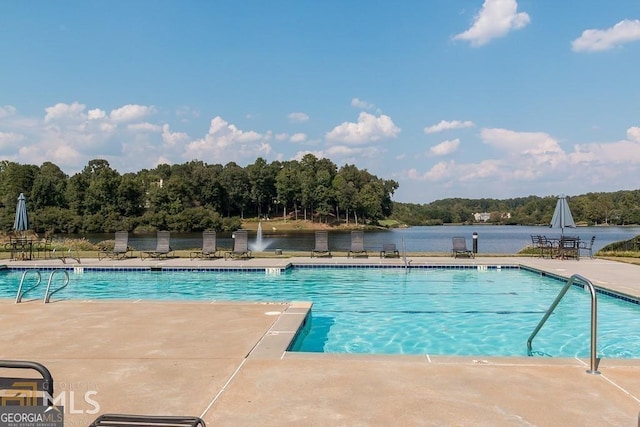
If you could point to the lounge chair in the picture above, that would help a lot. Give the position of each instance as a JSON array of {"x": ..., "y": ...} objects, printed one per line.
[
  {"x": 120, "y": 247},
  {"x": 460, "y": 248},
  {"x": 357, "y": 245},
  {"x": 122, "y": 420},
  {"x": 163, "y": 248},
  {"x": 587, "y": 246},
  {"x": 389, "y": 250},
  {"x": 209, "y": 248},
  {"x": 322, "y": 245},
  {"x": 26, "y": 390},
  {"x": 240, "y": 245}
]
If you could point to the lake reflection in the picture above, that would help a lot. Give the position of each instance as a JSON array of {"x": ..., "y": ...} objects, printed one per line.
[{"x": 496, "y": 239}]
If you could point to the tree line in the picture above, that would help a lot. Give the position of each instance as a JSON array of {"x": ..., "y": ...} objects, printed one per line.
[
  {"x": 192, "y": 196},
  {"x": 616, "y": 208}
]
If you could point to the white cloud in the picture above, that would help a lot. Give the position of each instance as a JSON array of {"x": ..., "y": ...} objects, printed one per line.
[
  {"x": 96, "y": 114},
  {"x": 369, "y": 128},
  {"x": 298, "y": 137},
  {"x": 298, "y": 117},
  {"x": 144, "y": 127},
  {"x": 7, "y": 111},
  {"x": 130, "y": 112},
  {"x": 447, "y": 125},
  {"x": 528, "y": 143},
  {"x": 173, "y": 138},
  {"x": 9, "y": 139},
  {"x": 625, "y": 31},
  {"x": 364, "y": 105},
  {"x": 226, "y": 140},
  {"x": 353, "y": 153},
  {"x": 65, "y": 112},
  {"x": 445, "y": 147},
  {"x": 633, "y": 133},
  {"x": 495, "y": 19}
]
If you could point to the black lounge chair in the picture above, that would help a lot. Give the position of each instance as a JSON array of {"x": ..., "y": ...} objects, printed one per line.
[
  {"x": 163, "y": 247},
  {"x": 120, "y": 247},
  {"x": 389, "y": 250},
  {"x": 322, "y": 245},
  {"x": 209, "y": 248},
  {"x": 460, "y": 248},
  {"x": 357, "y": 245},
  {"x": 19, "y": 391},
  {"x": 122, "y": 420},
  {"x": 240, "y": 245}
]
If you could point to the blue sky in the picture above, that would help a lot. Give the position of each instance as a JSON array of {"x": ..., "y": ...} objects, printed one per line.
[{"x": 465, "y": 98}]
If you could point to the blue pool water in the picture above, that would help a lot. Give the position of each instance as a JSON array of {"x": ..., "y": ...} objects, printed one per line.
[{"x": 395, "y": 311}]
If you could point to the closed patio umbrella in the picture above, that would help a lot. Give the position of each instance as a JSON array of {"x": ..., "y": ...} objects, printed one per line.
[
  {"x": 21, "y": 223},
  {"x": 562, "y": 215}
]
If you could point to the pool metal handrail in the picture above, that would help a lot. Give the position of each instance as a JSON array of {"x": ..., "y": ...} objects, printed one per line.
[
  {"x": 21, "y": 293},
  {"x": 593, "y": 369},
  {"x": 49, "y": 293}
]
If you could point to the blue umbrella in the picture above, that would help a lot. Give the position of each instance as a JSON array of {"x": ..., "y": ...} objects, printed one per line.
[
  {"x": 562, "y": 215},
  {"x": 21, "y": 222}
]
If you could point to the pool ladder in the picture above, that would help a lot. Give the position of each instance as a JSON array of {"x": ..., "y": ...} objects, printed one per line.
[
  {"x": 48, "y": 293},
  {"x": 593, "y": 369}
]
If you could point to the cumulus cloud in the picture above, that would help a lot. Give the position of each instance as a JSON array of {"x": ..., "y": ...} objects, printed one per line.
[
  {"x": 633, "y": 133},
  {"x": 298, "y": 137},
  {"x": 495, "y": 19},
  {"x": 9, "y": 139},
  {"x": 130, "y": 112},
  {"x": 298, "y": 117},
  {"x": 364, "y": 105},
  {"x": 226, "y": 139},
  {"x": 445, "y": 147},
  {"x": 447, "y": 125},
  {"x": 96, "y": 114},
  {"x": 625, "y": 31},
  {"x": 65, "y": 112},
  {"x": 368, "y": 128}
]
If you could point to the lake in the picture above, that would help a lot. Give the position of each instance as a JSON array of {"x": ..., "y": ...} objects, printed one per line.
[{"x": 495, "y": 239}]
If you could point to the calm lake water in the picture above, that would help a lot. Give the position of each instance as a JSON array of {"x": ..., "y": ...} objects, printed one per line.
[{"x": 495, "y": 239}]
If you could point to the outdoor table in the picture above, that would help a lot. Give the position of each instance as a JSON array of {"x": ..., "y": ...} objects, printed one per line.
[{"x": 21, "y": 249}]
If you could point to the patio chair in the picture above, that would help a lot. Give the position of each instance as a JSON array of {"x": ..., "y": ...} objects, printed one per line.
[
  {"x": 322, "y": 245},
  {"x": 569, "y": 247},
  {"x": 240, "y": 245},
  {"x": 209, "y": 248},
  {"x": 460, "y": 248},
  {"x": 587, "y": 246},
  {"x": 163, "y": 247},
  {"x": 122, "y": 420},
  {"x": 25, "y": 390},
  {"x": 389, "y": 250},
  {"x": 357, "y": 245},
  {"x": 45, "y": 247},
  {"x": 120, "y": 247}
]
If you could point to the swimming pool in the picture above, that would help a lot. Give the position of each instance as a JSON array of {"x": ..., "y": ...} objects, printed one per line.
[{"x": 464, "y": 311}]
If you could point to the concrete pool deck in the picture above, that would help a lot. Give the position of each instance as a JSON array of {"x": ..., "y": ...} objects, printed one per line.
[{"x": 226, "y": 361}]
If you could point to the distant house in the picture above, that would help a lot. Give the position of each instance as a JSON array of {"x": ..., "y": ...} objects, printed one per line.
[
  {"x": 482, "y": 216},
  {"x": 487, "y": 216}
]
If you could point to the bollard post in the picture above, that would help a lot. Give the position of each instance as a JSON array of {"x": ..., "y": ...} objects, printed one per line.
[{"x": 475, "y": 242}]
